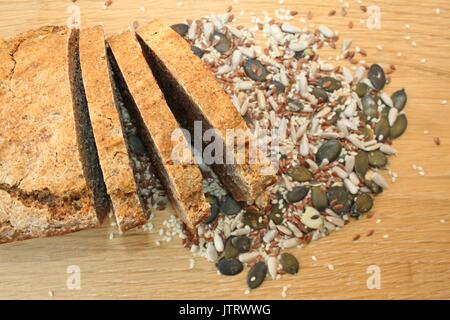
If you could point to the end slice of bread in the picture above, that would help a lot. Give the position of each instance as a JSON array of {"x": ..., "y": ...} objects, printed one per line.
[{"x": 43, "y": 191}]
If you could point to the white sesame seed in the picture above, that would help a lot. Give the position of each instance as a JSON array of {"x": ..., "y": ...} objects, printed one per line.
[
  {"x": 386, "y": 236},
  {"x": 442, "y": 221},
  {"x": 314, "y": 258},
  {"x": 51, "y": 293},
  {"x": 330, "y": 266},
  {"x": 444, "y": 102},
  {"x": 378, "y": 221},
  {"x": 438, "y": 11},
  {"x": 423, "y": 60}
]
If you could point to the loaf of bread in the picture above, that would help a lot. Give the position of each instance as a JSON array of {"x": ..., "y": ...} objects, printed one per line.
[
  {"x": 194, "y": 94},
  {"x": 156, "y": 124},
  {"x": 109, "y": 136},
  {"x": 43, "y": 190}
]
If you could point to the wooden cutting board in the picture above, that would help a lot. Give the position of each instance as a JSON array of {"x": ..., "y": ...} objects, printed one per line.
[{"x": 411, "y": 240}]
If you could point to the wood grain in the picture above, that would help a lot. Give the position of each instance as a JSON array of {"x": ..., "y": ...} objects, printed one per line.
[{"x": 414, "y": 213}]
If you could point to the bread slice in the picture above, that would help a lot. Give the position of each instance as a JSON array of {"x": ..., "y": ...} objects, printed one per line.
[
  {"x": 156, "y": 124},
  {"x": 194, "y": 94},
  {"x": 43, "y": 191},
  {"x": 112, "y": 150}
]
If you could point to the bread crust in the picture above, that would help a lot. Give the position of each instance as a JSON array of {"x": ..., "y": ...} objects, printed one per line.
[
  {"x": 184, "y": 182},
  {"x": 42, "y": 188},
  {"x": 110, "y": 141},
  {"x": 245, "y": 181}
]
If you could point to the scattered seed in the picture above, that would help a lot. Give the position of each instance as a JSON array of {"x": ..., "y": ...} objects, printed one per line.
[
  {"x": 377, "y": 77},
  {"x": 399, "y": 127},
  {"x": 230, "y": 267},
  {"x": 289, "y": 263},
  {"x": 297, "y": 194},
  {"x": 255, "y": 70},
  {"x": 257, "y": 275}
]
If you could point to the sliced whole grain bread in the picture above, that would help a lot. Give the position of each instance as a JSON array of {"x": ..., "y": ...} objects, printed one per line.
[
  {"x": 194, "y": 94},
  {"x": 109, "y": 137},
  {"x": 156, "y": 125},
  {"x": 43, "y": 191}
]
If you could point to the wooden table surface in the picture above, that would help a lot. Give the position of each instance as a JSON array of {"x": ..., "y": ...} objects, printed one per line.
[{"x": 411, "y": 243}]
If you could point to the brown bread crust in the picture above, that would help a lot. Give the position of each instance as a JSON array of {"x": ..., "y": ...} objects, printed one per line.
[{"x": 42, "y": 188}]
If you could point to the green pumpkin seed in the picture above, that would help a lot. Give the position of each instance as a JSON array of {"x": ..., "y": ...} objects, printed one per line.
[
  {"x": 363, "y": 203},
  {"x": 197, "y": 51},
  {"x": 399, "y": 99},
  {"x": 377, "y": 77},
  {"x": 341, "y": 198},
  {"x": 320, "y": 93},
  {"x": 361, "y": 163},
  {"x": 295, "y": 105},
  {"x": 367, "y": 133},
  {"x": 224, "y": 44},
  {"x": 229, "y": 267},
  {"x": 377, "y": 159},
  {"x": 276, "y": 215},
  {"x": 242, "y": 243},
  {"x": 399, "y": 126},
  {"x": 370, "y": 107},
  {"x": 136, "y": 145},
  {"x": 280, "y": 88},
  {"x": 376, "y": 189},
  {"x": 230, "y": 206},
  {"x": 180, "y": 28},
  {"x": 252, "y": 219},
  {"x": 300, "y": 174},
  {"x": 329, "y": 84},
  {"x": 361, "y": 89},
  {"x": 289, "y": 263},
  {"x": 297, "y": 194},
  {"x": 230, "y": 251},
  {"x": 319, "y": 198},
  {"x": 255, "y": 70},
  {"x": 382, "y": 129},
  {"x": 257, "y": 275},
  {"x": 330, "y": 150}
]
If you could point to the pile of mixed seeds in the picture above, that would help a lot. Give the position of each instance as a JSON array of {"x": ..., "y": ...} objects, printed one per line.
[{"x": 334, "y": 124}]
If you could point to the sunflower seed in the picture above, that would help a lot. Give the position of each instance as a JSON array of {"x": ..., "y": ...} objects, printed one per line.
[
  {"x": 270, "y": 235},
  {"x": 290, "y": 243},
  {"x": 211, "y": 253},
  {"x": 218, "y": 242},
  {"x": 272, "y": 266},
  {"x": 248, "y": 256},
  {"x": 284, "y": 230},
  {"x": 327, "y": 32}
]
